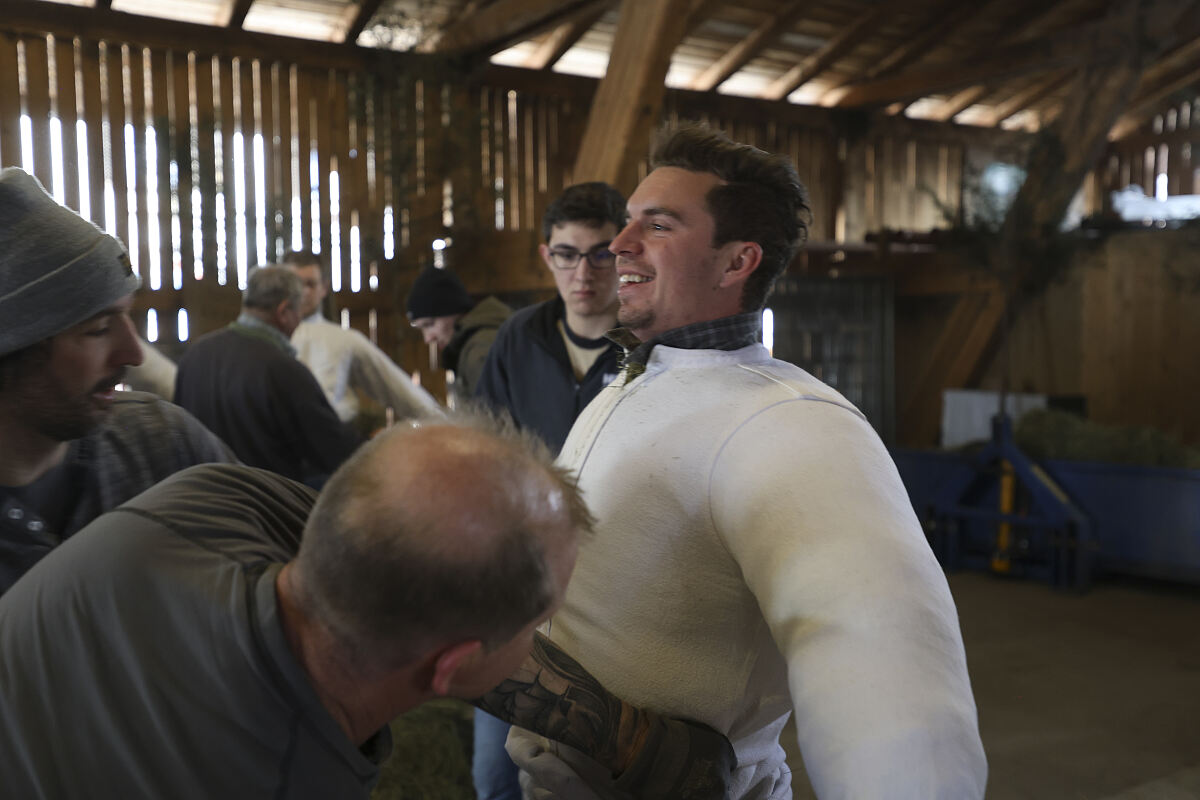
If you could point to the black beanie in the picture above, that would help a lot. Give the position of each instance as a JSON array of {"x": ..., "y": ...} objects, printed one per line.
[{"x": 437, "y": 293}]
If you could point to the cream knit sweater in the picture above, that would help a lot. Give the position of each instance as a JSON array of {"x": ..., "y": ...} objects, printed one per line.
[{"x": 756, "y": 554}]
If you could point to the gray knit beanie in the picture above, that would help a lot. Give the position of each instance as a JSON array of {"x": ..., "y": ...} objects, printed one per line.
[{"x": 56, "y": 268}]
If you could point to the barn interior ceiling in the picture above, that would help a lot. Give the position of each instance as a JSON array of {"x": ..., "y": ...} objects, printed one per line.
[{"x": 999, "y": 63}]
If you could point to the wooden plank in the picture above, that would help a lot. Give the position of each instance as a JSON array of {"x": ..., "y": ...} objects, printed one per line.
[
  {"x": 10, "y": 102},
  {"x": 139, "y": 117},
  {"x": 283, "y": 153},
  {"x": 248, "y": 125},
  {"x": 937, "y": 26},
  {"x": 228, "y": 122},
  {"x": 37, "y": 103},
  {"x": 564, "y": 37},
  {"x": 502, "y": 23},
  {"x": 67, "y": 112},
  {"x": 38, "y": 17},
  {"x": 265, "y": 96},
  {"x": 237, "y": 13},
  {"x": 366, "y": 10},
  {"x": 813, "y": 65},
  {"x": 114, "y": 58},
  {"x": 91, "y": 77},
  {"x": 320, "y": 128},
  {"x": 302, "y": 81},
  {"x": 745, "y": 51},
  {"x": 206, "y": 164},
  {"x": 629, "y": 100},
  {"x": 1026, "y": 97},
  {"x": 160, "y": 80},
  {"x": 959, "y": 102},
  {"x": 181, "y": 154}
]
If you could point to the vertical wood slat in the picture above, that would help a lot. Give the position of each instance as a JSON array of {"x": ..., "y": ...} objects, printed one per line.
[
  {"x": 303, "y": 188},
  {"x": 181, "y": 155},
  {"x": 115, "y": 84},
  {"x": 283, "y": 154},
  {"x": 140, "y": 118},
  {"x": 266, "y": 129},
  {"x": 37, "y": 104},
  {"x": 340, "y": 160},
  {"x": 160, "y": 113},
  {"x": 206, "y": 164},
  {"x": 93, "y": 114},
  {"x": 249, "y": 126},
  {"x": 228, "y": 122},
  {"x": 10, "y": 102},
  {"x": 320, "y": 127},
  {"x": 64, "y": 78}
]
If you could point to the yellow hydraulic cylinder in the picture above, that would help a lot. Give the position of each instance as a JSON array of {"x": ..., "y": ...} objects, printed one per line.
[{"x": 1008, "y": 481}]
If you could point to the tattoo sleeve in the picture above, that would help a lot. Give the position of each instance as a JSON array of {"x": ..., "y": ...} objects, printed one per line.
[{"x": 553, "y": 695}]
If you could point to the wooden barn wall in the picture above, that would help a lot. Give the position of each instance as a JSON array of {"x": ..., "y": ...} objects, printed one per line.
[
  {"x": 1120, "y": 326},
  {"x": 1163, "y": 145},
  {"x": 207, "y": 160}
]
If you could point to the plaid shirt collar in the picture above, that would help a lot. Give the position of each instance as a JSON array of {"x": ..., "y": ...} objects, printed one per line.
[{"x": 726, "y": 333}]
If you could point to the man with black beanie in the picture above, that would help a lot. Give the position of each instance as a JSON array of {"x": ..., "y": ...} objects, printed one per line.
[
  {"x": 71, "y": 446},
  {"x": 440, "y": 308}
]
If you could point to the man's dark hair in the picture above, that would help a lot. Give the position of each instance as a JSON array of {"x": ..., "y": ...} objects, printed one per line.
[
  {"x": 383, "y": 579},
  {"x": 593, "y": 204},
  {"x": 307, "y": 258},
  {"x": 761, "y": 200}
]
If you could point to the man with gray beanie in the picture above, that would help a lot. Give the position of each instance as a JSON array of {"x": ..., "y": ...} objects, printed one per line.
[
  {"x": 440, "y": 308},
  {"x": 245, "y": 383},
  {"x": 71, "y": 447}
]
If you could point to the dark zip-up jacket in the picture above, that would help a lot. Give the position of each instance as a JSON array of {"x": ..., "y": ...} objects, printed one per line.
[{"x": 528, "y": 373}]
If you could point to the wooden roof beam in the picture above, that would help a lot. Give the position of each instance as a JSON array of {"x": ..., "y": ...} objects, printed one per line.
[
  {"x": 103, "y": 5},
  {"x": 1101, "y": 39},
  {"x": 564, "y": 37},
  {"x": 501, "y": 24},
  {"x": 959, "y": 103},
  {"x": 628, "y": 101},
  {"x": 945, "y": 19},
  {"x": 366, "y": 10},
  {"x": 745, "y": 51},
  {"x": 846, "y": 40},
  {"x": 1025, "y": 98},
  {"x": 237, "y": 13},
  {"x": 1149, "y": 97}
]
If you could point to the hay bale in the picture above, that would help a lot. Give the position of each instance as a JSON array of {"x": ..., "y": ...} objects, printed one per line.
[{"x": 1047, "y": 434}]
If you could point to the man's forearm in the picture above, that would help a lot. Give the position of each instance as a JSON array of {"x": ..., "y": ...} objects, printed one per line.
[{"x": 553, "y": 695}]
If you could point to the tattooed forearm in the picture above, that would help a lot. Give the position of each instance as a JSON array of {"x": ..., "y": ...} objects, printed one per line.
[{"x": 553, "y": 695}]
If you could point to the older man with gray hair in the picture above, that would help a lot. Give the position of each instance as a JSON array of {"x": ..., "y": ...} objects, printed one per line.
[
  {"x": 71, "y": 446},
  {"x": 245, "y": 383}
]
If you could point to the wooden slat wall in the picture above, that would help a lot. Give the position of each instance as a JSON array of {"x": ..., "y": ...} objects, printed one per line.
[
  {"x": 1168, "y": 143},
  {"x": 396, "y": 135}
]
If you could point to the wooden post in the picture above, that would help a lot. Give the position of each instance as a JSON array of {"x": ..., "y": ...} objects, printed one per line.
[{"x": 629, "y": 100}]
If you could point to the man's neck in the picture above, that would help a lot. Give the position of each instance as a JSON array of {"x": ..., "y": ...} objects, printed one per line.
[
  {"x": 592, "y": 327},
  {"x": 360, "y": 706},
  {"x": 28, "y": 455}
]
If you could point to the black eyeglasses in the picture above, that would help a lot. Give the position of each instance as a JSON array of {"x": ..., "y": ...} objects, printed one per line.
[{"x": 567, "y": 258}]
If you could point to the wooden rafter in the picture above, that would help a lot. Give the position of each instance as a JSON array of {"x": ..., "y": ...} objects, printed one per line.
[
  {"x": 1025, "y": 98},
  {"x": 564, "y": 37},
  {"x": 944, "y": 20},
  {"x": 103, "y": 4},
  {"x": 1149, "y": 97},
  {"x": 237, "y": 13},
  {"x": 628, "y": 101},
  {"x": 493, "y": 27},
  {"x": 1100, "y": 40},
  {"x": 961, "y": 101},
  {"x": 846, "y": 40},
  {"x": 745, "y": 51},
  {"x": 366, "y": 10}
]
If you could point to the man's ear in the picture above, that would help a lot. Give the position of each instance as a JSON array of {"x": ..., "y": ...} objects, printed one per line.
[
  {"x": 743, "y": 259},
  {"x": 450, "y": 662},
  {"x": 544, "y": 252},
  {"x": 281, "y": 310}
]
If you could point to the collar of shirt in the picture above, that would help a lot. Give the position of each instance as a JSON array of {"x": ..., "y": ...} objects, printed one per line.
[
  {"x": 726, "y": 333},
  {"x": 256, "y": 327}
]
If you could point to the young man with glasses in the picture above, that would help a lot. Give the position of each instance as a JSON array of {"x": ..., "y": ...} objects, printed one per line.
[{"x": 547, "y": 363}]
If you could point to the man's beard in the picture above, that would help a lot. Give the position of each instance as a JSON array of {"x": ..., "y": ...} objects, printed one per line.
[
  {"x": 631, "y": 318},
  {"x": 61, "y": 418}
]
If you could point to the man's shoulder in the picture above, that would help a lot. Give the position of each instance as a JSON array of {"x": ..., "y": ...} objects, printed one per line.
[
  {"x": 146, "y": 427},
  {"x": 530, "y": 322}
]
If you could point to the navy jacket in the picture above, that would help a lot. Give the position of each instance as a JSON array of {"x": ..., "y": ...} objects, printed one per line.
[{"x": 528, "y": 373}]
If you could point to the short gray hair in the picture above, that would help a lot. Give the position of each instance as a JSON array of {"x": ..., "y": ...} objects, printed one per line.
[
  {"x": 386, "y": 583},
  {"x": 269, "y": 285}
]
